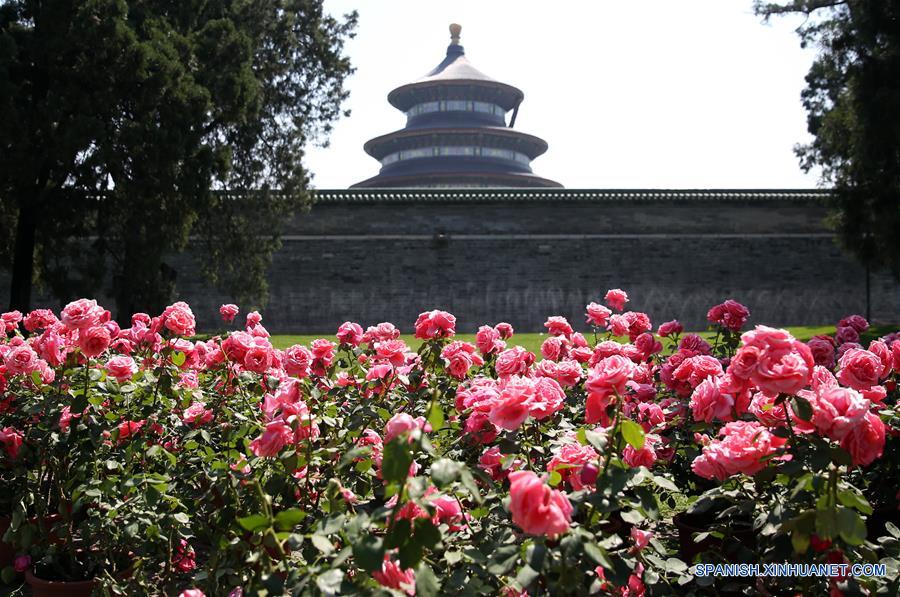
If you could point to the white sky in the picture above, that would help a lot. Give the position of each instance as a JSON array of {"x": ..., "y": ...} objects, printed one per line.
[{"x": 628, "y": 93}]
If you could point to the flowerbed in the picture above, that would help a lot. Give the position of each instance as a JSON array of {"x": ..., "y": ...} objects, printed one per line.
[{"x": 151, "y": 463}]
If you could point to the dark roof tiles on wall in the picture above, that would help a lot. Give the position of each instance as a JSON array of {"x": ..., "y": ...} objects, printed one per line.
[{"x": 462, "y": 195}]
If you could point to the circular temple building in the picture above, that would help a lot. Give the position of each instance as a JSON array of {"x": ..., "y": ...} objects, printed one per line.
[{"x": 456, "y": 132}]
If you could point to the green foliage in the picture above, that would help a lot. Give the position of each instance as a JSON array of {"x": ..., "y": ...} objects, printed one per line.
[
  {"x": 852, "y": 99},
  {"x": 125, "y": 124}
]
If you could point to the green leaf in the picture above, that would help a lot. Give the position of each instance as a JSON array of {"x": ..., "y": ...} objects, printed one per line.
[
  {"x": 436, "y": 416},
  {"x": 468, "y": 482},
  {"x": 598, "y": 554},
  {"x": 288, "y": 519},
  {"x": 803, "y": 408},
  {"x": 396, "y": 461},
  {"x": 851, "y": 526},
  {"x": 427, "y": 584},
  {"x": 666, "y": 484},
  {"x": 632, "y": 433},
  {"x": 891, "y": 528},
  {"x": 555, "y": 478},
  {"x": 178, "y": 358},
  {"x": 323, "y": 544},
  {"x": 329, "y": 582},
  {"x": 527, "y": 575},
  {"x": 444, "y": 472},
  {"x": 426, "y": 533},
  {"x": 800, "y": 541},
  {"x": 254, "y": 522},
  {"x": 182, "y": 517},
  {"x": 852, "y": 499},
  {"x": 502, "y": 559},
  {"x": 369, "y": 553}
]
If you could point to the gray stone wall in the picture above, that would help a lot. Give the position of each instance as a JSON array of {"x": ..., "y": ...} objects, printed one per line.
[{"x": 521, "y": 262}]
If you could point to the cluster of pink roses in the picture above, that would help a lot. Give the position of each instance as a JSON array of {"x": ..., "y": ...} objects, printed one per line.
[{"x": 744, "y": 399}]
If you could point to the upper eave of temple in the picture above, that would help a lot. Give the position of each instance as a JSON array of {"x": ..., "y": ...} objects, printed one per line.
[{"x": 455, "y": 78}]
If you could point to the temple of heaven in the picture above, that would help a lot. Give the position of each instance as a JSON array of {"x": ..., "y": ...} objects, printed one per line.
[{"x": 456, "y": 132}]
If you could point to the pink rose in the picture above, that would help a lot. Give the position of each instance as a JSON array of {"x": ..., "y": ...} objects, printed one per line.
[
  {"x": 228, "y": 312},
  {"x": 865, "y": 441},
  {"x": 708, "y": 403},
  {"x": 297, "y": 360},
  {"x": 179, "y": 319},
  {"x": 488, "y": 340},
  {"x": 393, "y": 576},
  {"x": 643, "y": 456},
  {"x": 670, "y": 328},
  {"x": 610, "y": 375},
  {"x": 548, "y": 398},
  {"x": 536, "y": 508},
  {"x": 695, "y": 369},
  {"x": 731, "y": 315},
  {"x": 459, "y": 357},
  {"x": 569, "y": 462},
  {"x": 11, "y": 439},
  {"x": 192, "y": 593},
  {"x": 618, "y": 325},
  {"x": 860, "y": 369},
  {"x": 350, "y": 334},
  {"x": 258, "y": 358},
  {"x": 479, "y": 428},
  {"x": 491, "y": 461},
  {"x": 121, "y": 367},
  {"x": 638, "y": 323},
  {"x": 512, "y": 407},
  {"x": 39, "y": 320},
  {"x": 22, "y": 563},
  {"x": 21, "y": 360},
  {"x": 837, "y": 411},
  {"x": 80, "y": 314},
  {"x": 253, "y": 320},
  {"x": 846, "y": 335},
  {"x": 773, "y": 360},
  {"x": 435, "y": 324},
  {"x": 197, "y": 414},
  {"x": 392, "y": 351},
  {"x": 694, "y": 344},
  {"x": 616, "y": 299},
  {"x": 505, "y": 329},
  {"x": 9, "y": 322},
  {"x": 640, "y": 538},
  {"x": 568, "y": 373},
  {"x": 743, "y": 448},
  {"x": 558, "y": 326},
  {"x": 382, "y": 332},
  {"x": 513, "y": 361},
  {"x": 647, "y": 345},
  {"x": 323, "y": 356},
  {"x": 597, "y": 315},
  {"x": 276, "y": 435},
  {"x": 822, "y": 348},
  {"x": 93, "y": 341},
  {"x": 895, "y": 355},
  {"x": 183, "y": 558},
  {"x": 553, "y": 348},
  {"x": 857, "y": 322},
  {"x": 401, "y": 424}
]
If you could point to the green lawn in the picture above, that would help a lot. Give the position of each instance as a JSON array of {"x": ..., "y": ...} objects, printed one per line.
[{"x": 533, "y": 342}]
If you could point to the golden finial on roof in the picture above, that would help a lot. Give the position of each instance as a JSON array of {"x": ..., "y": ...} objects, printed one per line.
[{"x": 454, "y": 33}]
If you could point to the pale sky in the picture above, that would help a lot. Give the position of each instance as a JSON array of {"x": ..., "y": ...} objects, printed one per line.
[{"x": 628, "y": 94}]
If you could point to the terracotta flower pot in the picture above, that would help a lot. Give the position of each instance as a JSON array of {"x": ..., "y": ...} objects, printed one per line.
[{"x": 53, "y": 588}]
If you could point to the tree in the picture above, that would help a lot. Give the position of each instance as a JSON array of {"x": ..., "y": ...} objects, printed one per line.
[
  {"x": 852, "y": 98},
  {"x": 126, "y": 124}
]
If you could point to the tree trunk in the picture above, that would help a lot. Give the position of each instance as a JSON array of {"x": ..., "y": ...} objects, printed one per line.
[{"x": 23, "y": 258}]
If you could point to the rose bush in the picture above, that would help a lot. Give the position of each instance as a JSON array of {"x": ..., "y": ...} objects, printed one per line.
[{"x": 154, "y": 461}]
